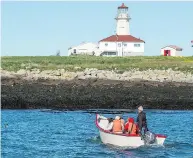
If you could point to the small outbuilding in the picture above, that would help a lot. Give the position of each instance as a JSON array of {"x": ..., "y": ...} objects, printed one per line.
[
  {"x": 171, "y": 50},
  {"x": 86, "y": 48}
]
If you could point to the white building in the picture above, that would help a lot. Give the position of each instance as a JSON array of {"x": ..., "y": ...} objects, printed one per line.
[
  {"x": 84, "y": 48},
  {"x": 121, "y": 44},
  {"x": 171, "y": 50}
]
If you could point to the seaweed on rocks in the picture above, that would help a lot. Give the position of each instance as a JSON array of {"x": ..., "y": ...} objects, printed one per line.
[{"x": 95, "y": 94}]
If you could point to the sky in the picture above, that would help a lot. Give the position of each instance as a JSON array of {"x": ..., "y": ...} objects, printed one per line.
[{"x": 42, "y": 28}]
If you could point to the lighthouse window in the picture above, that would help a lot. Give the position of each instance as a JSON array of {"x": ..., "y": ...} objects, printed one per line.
[
  {"x": 136, "y": 45},
  {"x": 119, "y": 45},
  {"x": 125, "y": 44},
  {"x": 106, "y": 44}
]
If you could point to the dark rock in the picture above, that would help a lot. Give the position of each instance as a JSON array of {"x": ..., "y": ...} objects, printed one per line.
[{"x": 93, "y": 94}]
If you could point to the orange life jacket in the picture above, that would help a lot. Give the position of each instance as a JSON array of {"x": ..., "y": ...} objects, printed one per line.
[
  {"x": 117, "y": 126},
  {"x": 132, "y": 128}
]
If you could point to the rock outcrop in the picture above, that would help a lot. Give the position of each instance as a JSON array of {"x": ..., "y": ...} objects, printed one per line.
[
  {"x": 149, "y": 75},
  {"x": 92, "y": 89}
]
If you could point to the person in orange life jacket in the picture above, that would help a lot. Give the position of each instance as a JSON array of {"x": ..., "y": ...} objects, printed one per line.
[
  {"x": 130, "y": 126},
  {"x": 117, "y": 125},
  {"x": 141, "y": 120}
]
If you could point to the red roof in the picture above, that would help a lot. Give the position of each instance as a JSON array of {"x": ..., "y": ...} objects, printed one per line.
[
  {"x": 121, "y": 38},
  {"x": 122, "y": 6},
  {"x": 174, "y": 47}
]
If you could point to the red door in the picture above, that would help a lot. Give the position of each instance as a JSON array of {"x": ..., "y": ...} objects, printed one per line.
[{"x": 165, "y": 52}]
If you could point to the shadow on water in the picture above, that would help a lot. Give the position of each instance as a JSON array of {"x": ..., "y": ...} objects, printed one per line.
[
  {"x": 109, "y": 111},
  {"x": 90, "y": 111},
  {"x": 113, "y": 111},
  {"x": 53, "y": 111}
]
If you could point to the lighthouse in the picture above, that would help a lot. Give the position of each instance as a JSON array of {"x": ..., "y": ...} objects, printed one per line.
[
  {"x": 120, "y": 44},
  {"x": 122, "y": 20}
]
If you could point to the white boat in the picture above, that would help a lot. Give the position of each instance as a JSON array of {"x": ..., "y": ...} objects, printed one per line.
[{"x": 122, "y": 140}]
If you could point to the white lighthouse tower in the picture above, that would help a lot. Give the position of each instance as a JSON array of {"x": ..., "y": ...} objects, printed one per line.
[{"x": 122, "y": 20}]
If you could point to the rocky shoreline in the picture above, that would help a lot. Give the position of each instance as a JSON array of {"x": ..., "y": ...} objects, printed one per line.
[
  {"x": 92, "y": 89},
  {"x": 61, "y": 74}
]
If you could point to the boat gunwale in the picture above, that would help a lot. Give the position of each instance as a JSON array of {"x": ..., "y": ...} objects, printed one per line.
[{"x": 126, "y": 135}]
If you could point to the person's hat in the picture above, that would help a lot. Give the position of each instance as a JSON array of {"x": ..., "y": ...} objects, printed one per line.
[
  {"x": 117, "y": 118},
  {"x": 140, "y": 108}
]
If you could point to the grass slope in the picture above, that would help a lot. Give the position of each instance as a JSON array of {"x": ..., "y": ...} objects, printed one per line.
[{"x": 104, "y": 63}]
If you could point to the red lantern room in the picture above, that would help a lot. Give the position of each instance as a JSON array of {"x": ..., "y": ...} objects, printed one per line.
[{"x": 122, "y": 9}]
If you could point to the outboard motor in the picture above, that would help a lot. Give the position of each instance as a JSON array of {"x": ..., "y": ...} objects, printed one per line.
[{"x": 150, "y": 137}]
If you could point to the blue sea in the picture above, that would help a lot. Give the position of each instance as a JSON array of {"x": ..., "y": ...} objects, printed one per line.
[{"x": 58, "y": 133}]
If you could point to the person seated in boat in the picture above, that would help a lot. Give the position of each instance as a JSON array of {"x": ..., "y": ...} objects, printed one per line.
[
  {"x": 106, "y": 123},
  {"x": 110, "y": 124},
  {"x": 141, "y": 120},
  {"x": 130, "y": 126},
  {"x": 118, "y": 127}
]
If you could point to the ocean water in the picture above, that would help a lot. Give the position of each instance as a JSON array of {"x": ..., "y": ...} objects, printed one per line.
[{"x": 55, "y": 134}]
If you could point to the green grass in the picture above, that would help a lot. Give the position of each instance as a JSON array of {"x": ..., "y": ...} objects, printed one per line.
[{"x": 104, "y": 63}]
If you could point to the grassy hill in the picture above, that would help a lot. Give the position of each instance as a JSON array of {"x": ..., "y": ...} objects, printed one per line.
[{"x": 74, "y": 63}]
